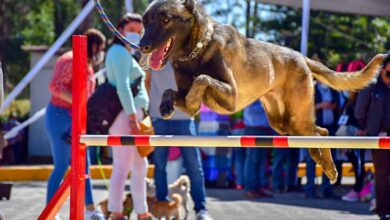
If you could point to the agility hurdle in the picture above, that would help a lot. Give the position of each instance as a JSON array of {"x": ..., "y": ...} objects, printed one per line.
[
  {"x": 74, "y": 183},
  {"x": 238, "y": 141}
]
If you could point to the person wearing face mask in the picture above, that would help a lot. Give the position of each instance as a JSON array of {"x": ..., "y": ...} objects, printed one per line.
[
  {"x": 58, "y": 117},
  {"x": 372, "y": 111},
  {"x": 122, "y": 71}
]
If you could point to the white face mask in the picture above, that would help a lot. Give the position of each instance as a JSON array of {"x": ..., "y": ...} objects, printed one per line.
[{"x": 133, "y": 37}]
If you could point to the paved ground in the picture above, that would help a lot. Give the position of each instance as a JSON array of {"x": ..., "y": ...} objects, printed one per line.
[{"x": 27, "y": 201}]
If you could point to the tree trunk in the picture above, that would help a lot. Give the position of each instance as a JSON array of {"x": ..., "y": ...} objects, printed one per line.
[
  {"x": 254, "y": 20},
  {"x": 58, "y": 19},
  {"x": 88, "y": 21},
  {"x": 248, "y": 17}
]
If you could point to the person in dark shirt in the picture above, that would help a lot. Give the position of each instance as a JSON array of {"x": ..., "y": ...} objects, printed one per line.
[{"x": 373, "y": 114}]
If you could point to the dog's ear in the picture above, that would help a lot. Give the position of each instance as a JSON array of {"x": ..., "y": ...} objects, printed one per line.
[{"x": 190, "y": 5}]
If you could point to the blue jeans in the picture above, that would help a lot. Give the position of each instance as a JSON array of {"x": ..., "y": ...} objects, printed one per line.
[
  {"x": 290, "y": 158},
  {"x": 326, "y": 187},
  {"x": 356, "y": 157},
  {"x": 58, "y": 121},
  {"x": 191, "y": 159},
  {"x": 239, "y": 164},
  {"x": 255, "y": 163}
]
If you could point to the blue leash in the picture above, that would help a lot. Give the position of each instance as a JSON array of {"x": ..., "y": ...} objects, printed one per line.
[{"x": 144, "y": 60}]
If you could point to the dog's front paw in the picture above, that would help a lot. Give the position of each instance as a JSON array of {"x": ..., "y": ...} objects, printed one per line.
[{"x": 166, "y": 110}]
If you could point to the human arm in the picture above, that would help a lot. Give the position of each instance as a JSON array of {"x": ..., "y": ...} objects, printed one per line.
[
  {"x": 361, "y": 110},
  {"x": 61, "y": 80}
]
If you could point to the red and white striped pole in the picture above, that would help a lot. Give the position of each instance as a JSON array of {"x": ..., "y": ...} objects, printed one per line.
[
  {"x": 79, "y": 110},
  {"x": 238, "y": 141}
]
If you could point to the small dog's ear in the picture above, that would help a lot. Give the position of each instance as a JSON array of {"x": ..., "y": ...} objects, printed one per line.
[{"x": 190, "y": 5}]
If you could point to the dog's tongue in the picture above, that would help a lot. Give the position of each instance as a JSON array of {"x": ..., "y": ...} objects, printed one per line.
[{"x": 157, "y": 58}]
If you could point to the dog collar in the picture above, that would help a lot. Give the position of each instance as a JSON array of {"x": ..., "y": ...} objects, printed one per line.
[
  {"x": 201, "y": 43},
  {"x": 193, "y": 53}
]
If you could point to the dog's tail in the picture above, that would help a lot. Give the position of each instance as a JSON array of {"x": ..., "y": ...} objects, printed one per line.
[
  {"x": 176, "y": 199},
  {"x": 346, "y": 80}
]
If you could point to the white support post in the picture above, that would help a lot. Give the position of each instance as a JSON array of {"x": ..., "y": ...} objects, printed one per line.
[
  {"x": 129, "y": 5},
  {"x": 305, "y": 26},
  {"x": 49, "y": 54}
]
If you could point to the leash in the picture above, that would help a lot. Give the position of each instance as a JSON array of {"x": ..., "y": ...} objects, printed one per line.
[
  {"x": 144, "y": 60},
  {"x": 111, "y": 27}
]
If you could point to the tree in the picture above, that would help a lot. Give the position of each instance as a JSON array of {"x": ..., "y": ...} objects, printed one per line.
[
  {"x": 334, "y": 37},
  {"x": 41, "y": 22}
]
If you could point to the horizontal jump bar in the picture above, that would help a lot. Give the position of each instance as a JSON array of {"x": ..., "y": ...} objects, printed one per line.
[{"x": 238, "y": 141}]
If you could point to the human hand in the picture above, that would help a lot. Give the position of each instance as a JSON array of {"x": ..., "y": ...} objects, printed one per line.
[
  {"x": 135, "y": 128},
  {"x": 3, "y": 143},
  {"x": 361, "y": 132}
]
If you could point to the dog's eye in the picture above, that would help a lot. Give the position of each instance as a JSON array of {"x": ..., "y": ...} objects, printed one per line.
[{"x": 166, "y": 20}]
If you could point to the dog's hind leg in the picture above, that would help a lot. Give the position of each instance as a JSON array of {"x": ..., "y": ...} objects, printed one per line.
[
  {"x": 274, "y": 110},
  {"x": 300, "y": 113},
  {"x": 321, "y": 156},
  {"x": 220, "y": 97}
]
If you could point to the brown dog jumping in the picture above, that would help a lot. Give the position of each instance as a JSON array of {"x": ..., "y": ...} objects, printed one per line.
[{"x": 217, "y": 66}]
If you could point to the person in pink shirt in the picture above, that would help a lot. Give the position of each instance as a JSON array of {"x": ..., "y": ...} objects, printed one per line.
[{"x": 58, "y": 117}]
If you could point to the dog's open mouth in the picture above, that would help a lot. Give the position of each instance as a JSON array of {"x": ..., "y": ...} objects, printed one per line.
[{"x": 160, "y": 56}]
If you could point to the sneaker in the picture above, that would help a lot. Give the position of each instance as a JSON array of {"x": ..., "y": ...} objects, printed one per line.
[
  {"x": 93, "y": 215},
  {"x": 265, "y": 192},
  {"x": 253, "y": 195},
  {"x": 385, "y": 217},
  {"x": 352, "y": 196},
  {"x": 372, "y": 207},
  {"x": 366, "y": 194},
  {"x": 203, "y": 215}
]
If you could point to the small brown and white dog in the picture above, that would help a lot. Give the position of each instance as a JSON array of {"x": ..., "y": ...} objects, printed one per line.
[
  {"x": 127, "y": 205},
  {"x": 168, "y": 209},
  {"x": 181, "y": 186}
]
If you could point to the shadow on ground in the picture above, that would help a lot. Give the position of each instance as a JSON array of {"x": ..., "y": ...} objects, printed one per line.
[{"x": 295, "y": 199}]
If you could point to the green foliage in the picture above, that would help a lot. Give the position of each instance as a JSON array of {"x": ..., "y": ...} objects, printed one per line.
[
  {"x": 333, "y": 37},
  {"x": 39, "y": 26},
  {"x": 40, "y": 22}
]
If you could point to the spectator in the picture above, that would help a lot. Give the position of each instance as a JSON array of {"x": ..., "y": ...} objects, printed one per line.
[
  {"x": 373, "y": 114},
  {"x": 327, "y": 111},
  {"x": 290, "y": 158},
  {"x": 16, "y": 151},
  {"x": 58, "y": 117},
  {"x": 256, "y": 123},
  {"x": 239, "y": 152},
  {"x": 355, "y": 156},
  {"x": 179, "y": 124},
  {"x": 122, "y": 71}
]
